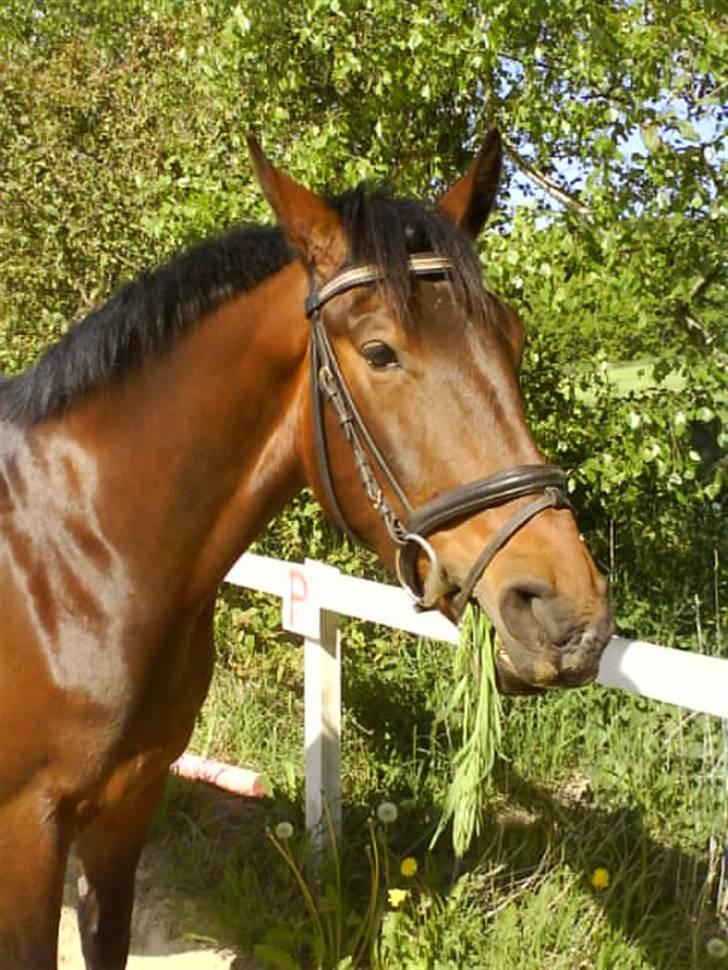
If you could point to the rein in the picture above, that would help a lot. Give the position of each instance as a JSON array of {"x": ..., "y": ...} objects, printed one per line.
[{"x": 410, "y": 535}]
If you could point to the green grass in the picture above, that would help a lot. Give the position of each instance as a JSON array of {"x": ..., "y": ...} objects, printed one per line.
[{"x": 589, "y": 779}]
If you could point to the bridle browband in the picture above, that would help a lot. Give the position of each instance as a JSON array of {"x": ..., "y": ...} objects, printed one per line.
[{"x": 410, "y": 535}]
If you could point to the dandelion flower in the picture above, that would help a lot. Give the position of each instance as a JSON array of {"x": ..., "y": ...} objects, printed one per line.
[
  {"x": 717, "y": 948},
  {"x": 408, "y": 867},
  {"x": 397, "y": 896},
  {"x": 387, "y": 813},
  {"x": 284, "y": 830},
  {"x": 600, "y": 878}
]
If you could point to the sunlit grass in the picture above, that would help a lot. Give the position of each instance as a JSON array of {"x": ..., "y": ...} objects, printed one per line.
[{"x": 589, "y": 781}]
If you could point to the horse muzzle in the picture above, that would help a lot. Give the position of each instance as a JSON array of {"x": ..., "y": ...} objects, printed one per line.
[{"x": 541, "y": 644}]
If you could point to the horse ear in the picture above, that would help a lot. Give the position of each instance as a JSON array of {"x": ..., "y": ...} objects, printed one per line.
[
  {"x": 311, "y": 225},
  {"x": 469, "y": 201}
]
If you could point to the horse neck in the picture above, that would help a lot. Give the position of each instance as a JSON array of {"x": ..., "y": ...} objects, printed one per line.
[{"x": 199, "y": 449}]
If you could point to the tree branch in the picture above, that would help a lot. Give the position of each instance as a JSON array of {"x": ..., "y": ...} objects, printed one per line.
[
  {"x": 554, "y": 190},
  {"x": 685, "y": 314},
  {"x": 703, "y": 283}
]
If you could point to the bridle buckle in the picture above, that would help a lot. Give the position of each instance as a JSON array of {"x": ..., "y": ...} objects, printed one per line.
[{"x": 436, "y": 582}]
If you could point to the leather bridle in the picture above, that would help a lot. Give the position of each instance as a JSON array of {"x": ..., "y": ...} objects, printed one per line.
[{"x": 410, "y": 533}]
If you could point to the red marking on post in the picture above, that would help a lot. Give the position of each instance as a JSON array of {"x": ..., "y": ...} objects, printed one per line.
[{"x": 299, "y": 591}]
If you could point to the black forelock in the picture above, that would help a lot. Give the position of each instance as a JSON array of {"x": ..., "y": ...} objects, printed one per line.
[{"x": 384, "y": 231}]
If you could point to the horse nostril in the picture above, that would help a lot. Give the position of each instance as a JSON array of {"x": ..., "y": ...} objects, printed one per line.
[
  {"x": 537, "y": 616},
  {"x": 525, "y": 611}
]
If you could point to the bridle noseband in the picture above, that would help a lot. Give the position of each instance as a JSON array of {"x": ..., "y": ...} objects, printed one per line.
[{"x": 410, "y": 535}]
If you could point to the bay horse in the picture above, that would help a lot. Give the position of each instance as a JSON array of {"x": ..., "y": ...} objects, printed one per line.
[{"x": 352, "y": 349}]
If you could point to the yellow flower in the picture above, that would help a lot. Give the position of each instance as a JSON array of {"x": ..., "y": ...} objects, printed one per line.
[
  {"x": 397, "y": 897},
  {"x": 600, "y": 878},
  {"x": 408, "y": 867}
]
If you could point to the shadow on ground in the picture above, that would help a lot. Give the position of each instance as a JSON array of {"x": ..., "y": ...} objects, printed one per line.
[{"x": 214, "y": 847}]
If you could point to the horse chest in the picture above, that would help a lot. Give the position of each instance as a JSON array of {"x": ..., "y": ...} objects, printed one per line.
[{"x": 159, "y": 720}]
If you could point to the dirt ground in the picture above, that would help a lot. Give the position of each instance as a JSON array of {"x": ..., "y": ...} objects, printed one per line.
[{"x": 166, "y": 931}]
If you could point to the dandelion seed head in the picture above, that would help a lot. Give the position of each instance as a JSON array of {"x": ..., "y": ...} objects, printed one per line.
[
  {"x": 284, "y": 831},
  {"x": 717, "y": 949},
  {"x": 387, "y": 813}
]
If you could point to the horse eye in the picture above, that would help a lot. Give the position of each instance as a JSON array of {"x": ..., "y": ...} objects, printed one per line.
[{"x": 379, "y": 355}]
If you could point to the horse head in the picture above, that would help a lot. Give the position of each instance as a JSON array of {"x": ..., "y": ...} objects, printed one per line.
[{"x": 415, "y": 440}]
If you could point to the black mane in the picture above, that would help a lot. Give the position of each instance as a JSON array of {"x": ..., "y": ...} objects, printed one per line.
[
  {"x": 146, "y": 316},
  {"x": 143, "y": 318}
]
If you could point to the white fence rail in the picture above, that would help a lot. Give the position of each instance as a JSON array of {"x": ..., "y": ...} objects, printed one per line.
[{"x": 314, "y": 598}]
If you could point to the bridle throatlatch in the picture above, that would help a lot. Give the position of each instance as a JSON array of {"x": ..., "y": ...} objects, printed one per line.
[{"x": 409, "y": 533}]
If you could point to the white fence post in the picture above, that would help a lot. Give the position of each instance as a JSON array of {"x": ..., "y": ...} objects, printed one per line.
[
  {"x": 322, "y": 728},
  {"x": 303, "y": 613}
]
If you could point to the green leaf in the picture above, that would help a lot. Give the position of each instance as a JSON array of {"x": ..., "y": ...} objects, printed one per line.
[
  {"x": 273, "y": 958},
  {"x": 650, "y": 137},
  {"x": 688, "y": 131}
]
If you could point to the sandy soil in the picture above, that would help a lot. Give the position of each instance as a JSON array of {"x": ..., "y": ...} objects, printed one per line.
[{"x": 166, "y": 931}]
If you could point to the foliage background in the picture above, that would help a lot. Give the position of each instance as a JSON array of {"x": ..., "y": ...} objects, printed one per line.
[
  {"x": 121, "y": 126},
  {"x": 121, "y": 134}
]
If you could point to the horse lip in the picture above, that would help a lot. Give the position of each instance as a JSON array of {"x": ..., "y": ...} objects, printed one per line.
[
  {"x": 512, "y": 682},
  {"x": 573, "y": 664},
  {"x": 582, "y": 678},
  {"x": 508, "y": 680}
]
